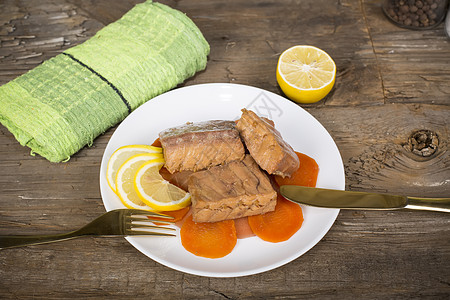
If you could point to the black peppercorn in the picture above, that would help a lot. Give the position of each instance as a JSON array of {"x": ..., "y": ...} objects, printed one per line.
[
  {"x": 404, "y": 8},
  {"x": 407, "y": 22}
]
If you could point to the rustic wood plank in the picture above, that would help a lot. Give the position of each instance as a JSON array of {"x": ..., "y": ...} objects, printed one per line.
[
  {"x": 414, "y": 64},
  {"x": 391, "y": 82},
  {"x": 374, "y": 147}
]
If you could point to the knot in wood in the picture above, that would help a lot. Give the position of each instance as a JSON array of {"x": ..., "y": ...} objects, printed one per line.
[{"x": 423, "y": 142}]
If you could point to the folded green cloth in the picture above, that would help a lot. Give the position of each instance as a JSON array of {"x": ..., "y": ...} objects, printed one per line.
[{"x": 66, "y": 102}]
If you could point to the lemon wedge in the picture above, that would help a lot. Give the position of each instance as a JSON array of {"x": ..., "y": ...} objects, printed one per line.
[
  {"x": 121, "y": 155},
  {"x": 306, "y": 74},
  {"x": 157, "y": 192},
  {"x": 124, "y": 180}
]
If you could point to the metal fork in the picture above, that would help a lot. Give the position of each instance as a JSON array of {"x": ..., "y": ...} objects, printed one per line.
[{"x": 119, "y": 222}]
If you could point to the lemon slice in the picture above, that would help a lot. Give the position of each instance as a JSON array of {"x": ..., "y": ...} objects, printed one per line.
[
  {"x": 121, "y": 155},
  {"x": 157, "y": 192},
  {"x": 124, "y": 181},
  {"x": 306, "y": 74}
]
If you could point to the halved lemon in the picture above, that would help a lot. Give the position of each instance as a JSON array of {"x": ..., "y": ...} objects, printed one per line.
[
  {"x": 121, "y": 155},
  {"x": 124, "y": 181},
  {"x": 306, "y": 74},
  {"x": 157, "y": 192}
]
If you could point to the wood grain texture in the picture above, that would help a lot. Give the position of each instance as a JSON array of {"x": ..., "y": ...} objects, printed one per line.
[{"x": 390, "y": 83}]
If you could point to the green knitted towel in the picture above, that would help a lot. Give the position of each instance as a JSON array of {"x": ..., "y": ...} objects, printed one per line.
[{"x": 66, "y": 102}]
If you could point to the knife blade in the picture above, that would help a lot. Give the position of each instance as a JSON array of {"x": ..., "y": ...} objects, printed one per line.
[{"x": 329, "y": 198}]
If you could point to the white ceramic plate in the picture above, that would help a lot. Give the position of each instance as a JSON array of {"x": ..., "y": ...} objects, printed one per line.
[{"x": 224, "y": 101}]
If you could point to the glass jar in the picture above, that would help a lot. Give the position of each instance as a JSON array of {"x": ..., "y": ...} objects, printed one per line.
[{"x": 415, "y": 14}]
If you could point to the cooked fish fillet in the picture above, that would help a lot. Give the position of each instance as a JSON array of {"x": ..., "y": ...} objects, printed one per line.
[
  {"x": 230, "y": 191},
  {"x": 196, "y": 146},
  {"x": 266, "y": 145}
]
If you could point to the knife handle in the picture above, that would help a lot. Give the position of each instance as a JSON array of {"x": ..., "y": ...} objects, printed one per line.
[{"x": 436, "y": 204}]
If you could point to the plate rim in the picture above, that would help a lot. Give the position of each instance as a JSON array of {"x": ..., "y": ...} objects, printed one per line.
[{"x": 140, "y": 247}]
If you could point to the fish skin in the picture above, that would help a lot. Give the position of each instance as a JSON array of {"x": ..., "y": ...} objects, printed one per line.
[{"x": 197, "y": 146}]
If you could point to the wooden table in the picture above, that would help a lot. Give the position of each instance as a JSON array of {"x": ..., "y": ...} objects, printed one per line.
[{"x": 391, "y": 83}]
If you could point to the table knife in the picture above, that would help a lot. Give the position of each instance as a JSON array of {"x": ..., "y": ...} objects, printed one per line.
[{"x": 329, "y": 198}]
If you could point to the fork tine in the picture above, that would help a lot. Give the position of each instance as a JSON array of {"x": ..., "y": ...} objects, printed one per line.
[
  {"x": 151, "y": 216},
  {"x": 153, "y": 233},
  {"x": 138, "y": 221},
  {"x": 147, "y": 226},
  {"x": 161, "y": 222},
  {"x": 150, "y": 219},
  {"x": 147, "y": 213}
]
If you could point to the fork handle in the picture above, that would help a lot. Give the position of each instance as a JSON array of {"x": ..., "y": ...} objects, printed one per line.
[{"x": 12, "y": 241}]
